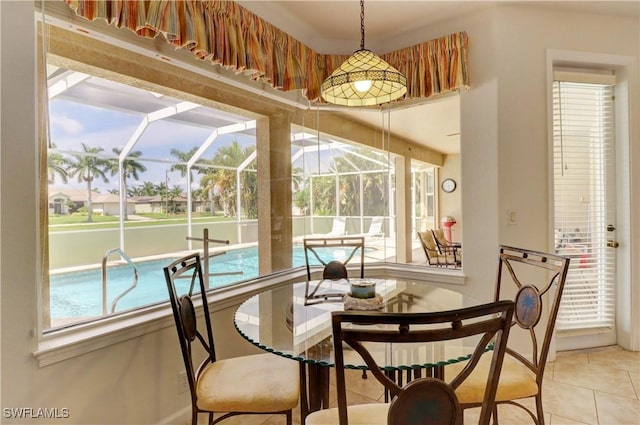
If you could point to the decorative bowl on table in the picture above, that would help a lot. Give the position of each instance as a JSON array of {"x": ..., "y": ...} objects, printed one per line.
[{"x": 362, "y": 296}]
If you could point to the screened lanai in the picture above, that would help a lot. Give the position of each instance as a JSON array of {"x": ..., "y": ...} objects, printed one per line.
[{"x": 140, "y": 173}]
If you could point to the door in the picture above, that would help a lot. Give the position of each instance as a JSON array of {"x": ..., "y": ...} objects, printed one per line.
[{"x": 584, "y": 206}]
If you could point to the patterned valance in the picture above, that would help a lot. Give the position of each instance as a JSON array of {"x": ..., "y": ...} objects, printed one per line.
[{"x": 227, "y": 34}]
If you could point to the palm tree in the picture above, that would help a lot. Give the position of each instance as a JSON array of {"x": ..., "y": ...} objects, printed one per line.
[
  {"x": 208, "y": 189},
  {"x": 183, "y": 157},
  {"x": 223, "y": 180},
  {"x": 172, "y": 194},
  {"x": 130, "y": 168},
  {"x": 148, "y": 189},
  {"x": 87, "y": 167},
  {"x": 56, "y": 165}
]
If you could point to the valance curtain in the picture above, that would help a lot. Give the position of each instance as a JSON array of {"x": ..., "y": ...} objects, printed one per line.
[{"x": 227, "y": 34}]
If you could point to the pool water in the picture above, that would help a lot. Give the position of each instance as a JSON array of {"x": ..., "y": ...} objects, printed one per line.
[{"x": 79, "y": 294}]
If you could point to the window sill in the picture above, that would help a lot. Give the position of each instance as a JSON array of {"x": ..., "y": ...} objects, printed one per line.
[
  {"x": 63, "y": 344},
  {"x": 74, "y": 341}
]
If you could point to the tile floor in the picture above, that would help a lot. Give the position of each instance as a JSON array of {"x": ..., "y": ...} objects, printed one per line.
[{"x": 587, "y": 387}]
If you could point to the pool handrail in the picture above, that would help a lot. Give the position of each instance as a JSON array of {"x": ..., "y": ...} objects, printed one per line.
[
  {"x": 205, "y": 255},
  {"x": 104, "y": 279}
]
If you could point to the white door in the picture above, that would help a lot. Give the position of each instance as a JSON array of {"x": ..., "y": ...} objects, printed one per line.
[{"x": 584, "y": 206}]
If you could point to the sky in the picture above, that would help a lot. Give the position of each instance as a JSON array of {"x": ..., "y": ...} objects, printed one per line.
[{"x": 73, "y": 123}]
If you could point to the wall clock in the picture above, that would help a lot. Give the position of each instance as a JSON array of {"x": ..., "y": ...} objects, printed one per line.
[{"x": 448, "y": 185}]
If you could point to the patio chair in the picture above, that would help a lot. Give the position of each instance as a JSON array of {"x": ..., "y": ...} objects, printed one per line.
[
  {"x": 451, "y": 251},
  {"x": 338, "y": 228},
  {"x": 434, "y": 256},
  {"x": 531, "y": 274},
  {"x": 375, "y": 229},
  {"x": 424, "y": 399},
  {"x": 270, "y": 384}
]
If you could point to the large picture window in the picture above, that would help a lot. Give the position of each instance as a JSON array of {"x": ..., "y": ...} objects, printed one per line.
[
  {"x": 132, "y": 175},
  {"x": 135, "y": 178}
]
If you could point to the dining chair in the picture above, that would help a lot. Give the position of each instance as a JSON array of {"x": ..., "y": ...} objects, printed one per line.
[
  {"x": 253, "y": 384},
  {"x": 532, "y": 276},
  {"x": 340, "y": 250},
  {"x": 334, "y": 256},
  {"x": 366, "y": 333}
]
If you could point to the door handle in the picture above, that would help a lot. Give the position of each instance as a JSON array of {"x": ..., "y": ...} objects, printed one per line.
[{"x": 612, "y": 244}]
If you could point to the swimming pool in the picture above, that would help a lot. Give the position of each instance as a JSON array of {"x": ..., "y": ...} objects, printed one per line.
[{"x": 78, "y": 294}]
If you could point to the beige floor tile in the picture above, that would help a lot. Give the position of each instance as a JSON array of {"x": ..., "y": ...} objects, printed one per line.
[
  {"x": 370, "y": 387},
  {"x": 635, "y": 380},
  {"x": 569, "y": 401},
  {"x": 559, "y": 420},
  {"x": 614, "y": 410},
  {"x": 571, "y": 357},
  {"x": 615, "y": 357},
  {"x": 600, "y": 378}
]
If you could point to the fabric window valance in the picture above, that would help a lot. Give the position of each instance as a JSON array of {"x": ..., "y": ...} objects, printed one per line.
[{"x": 227, "y": 34}]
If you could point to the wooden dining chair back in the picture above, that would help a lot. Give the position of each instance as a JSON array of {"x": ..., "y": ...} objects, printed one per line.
[
  {"x": 270, "y": 384},
  {"x": 334, "y": 254},
  {"x": 528, "y": 277},
  {"x": 423, "y": 397}
]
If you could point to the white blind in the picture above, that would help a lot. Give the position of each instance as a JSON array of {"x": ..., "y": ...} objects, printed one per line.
[{"x": 583, "y": 136}]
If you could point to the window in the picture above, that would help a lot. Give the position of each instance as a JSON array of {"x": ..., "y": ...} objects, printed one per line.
[
  {"x": 584, "y": 188},
  {"x": 423, "y": 194},
  {"x": 132, "y": 174}
]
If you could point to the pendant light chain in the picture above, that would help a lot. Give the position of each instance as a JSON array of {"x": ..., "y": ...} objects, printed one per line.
[
  {"x": 361, "y": 24},
  {"x": 364, "y": 79}
]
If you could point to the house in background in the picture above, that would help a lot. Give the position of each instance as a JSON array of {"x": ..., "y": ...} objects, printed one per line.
[
  {"x": 128, "y": 374},
  {"x": 68, "y": 201}
]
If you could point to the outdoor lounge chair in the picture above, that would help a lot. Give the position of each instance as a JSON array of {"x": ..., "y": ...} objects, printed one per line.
[
  {"x": 338, "y": 229},
  {"x": 375, "y": 228},
  {"x": 436, "y": 257}
]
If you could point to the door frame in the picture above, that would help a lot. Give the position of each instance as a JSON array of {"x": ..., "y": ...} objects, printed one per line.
[{"x": 627, "y": 328}]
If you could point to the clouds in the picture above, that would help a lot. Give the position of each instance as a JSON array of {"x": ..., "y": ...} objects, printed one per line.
[{"x": 66, "y": 124}]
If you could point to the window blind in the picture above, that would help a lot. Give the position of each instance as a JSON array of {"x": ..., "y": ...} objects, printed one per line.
[{"x": 584, "y": 204}]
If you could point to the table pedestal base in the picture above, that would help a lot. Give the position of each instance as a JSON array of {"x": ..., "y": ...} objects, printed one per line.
[{"x": 314, "y": 388}]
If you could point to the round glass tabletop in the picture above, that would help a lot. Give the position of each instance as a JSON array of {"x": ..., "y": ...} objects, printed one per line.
[{"x": 294, "y": 321}]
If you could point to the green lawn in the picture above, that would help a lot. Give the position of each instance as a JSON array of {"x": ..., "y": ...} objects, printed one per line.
[{"x": 78, "y": 222}]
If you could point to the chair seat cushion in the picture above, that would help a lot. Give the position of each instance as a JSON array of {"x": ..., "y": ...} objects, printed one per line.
[
  {"x": 255, "y": 383},
  {"x": 359, "y": 414},
  {"x": 516, "y": 380}
]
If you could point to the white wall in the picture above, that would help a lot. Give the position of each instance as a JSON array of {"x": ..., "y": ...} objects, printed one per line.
[{"x": 504, "y": 166}]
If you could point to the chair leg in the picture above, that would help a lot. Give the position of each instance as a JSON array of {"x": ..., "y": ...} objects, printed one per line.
[
  {"x": 495, "y": 414},
  {"x": 289, "y": 417},
  {"x": 539, "y": 408}
]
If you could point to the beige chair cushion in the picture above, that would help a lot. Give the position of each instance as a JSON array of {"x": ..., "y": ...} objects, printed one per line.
[
  {"x": 257, "y": 383},
  {"x": 359, "y": 414},
  {"x": 516, "y": 380}
]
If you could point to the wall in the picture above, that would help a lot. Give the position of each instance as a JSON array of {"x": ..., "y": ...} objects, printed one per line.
[
  {"x": 450, "y": 203},
  {"x": 504, "y": 165}
]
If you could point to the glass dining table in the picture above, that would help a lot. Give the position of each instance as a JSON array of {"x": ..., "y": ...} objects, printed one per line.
[{"x": 294, "y": 321}]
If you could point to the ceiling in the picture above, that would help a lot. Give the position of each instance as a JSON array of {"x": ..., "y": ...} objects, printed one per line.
[{"x": 334, "y": 27}]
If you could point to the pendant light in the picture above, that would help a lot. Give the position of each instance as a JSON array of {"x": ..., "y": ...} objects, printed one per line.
[{"x": 364, "y": 79}]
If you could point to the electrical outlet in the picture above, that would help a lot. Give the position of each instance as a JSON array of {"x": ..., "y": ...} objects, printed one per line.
[{"x": 183, "y": 382}]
